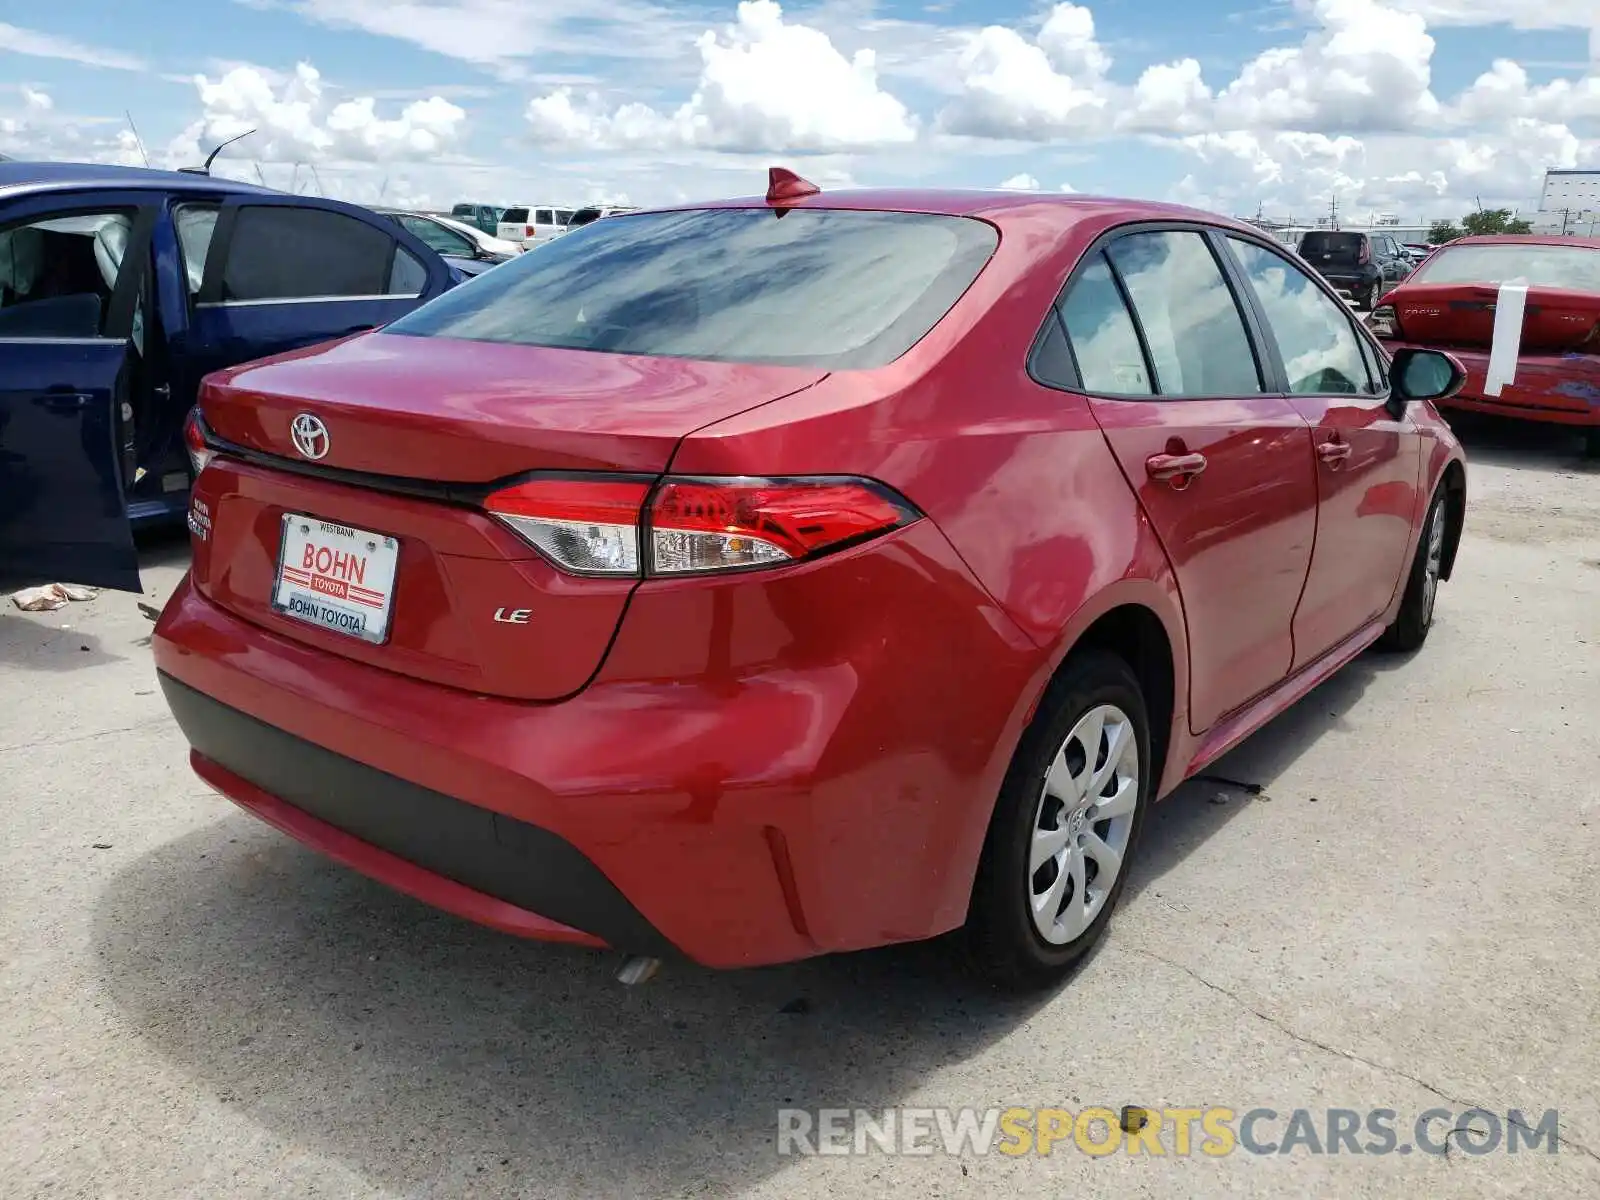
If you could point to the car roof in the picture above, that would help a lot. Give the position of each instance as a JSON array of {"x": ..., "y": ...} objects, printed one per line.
[
  {"x": 996, "y": 205},
  {"x": 24, "y": 176}
]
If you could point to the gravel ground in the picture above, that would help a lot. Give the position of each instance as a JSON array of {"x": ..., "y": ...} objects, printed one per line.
[{"x": 192, "y": 1005}]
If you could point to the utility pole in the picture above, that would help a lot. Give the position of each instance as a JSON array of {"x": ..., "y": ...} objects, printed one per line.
[{"x": 1333, "y": 211}]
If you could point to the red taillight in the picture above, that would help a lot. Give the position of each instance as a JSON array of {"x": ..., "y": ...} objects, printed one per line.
[
  {"x": 722, "y": 524},
  {"x": 592, "y": 525},
  {"x": 585, "y": 525},
  {"x": 527, "y": 231},
  {"x": 194, "y": 442}
]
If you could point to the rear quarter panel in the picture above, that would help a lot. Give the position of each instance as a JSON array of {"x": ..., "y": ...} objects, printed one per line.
[{"x": 1017, "y": 476}]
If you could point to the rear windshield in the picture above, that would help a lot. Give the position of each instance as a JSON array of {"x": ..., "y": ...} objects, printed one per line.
[
  {"x": 1575, "y": 268},
  {"x": 826, "y": 288},
  {"x": 583, "y": 216},
  {"x": 515, "y": 216},
  {"x": 1339, "y": 245},
  {"x": 463, "y": 210}
]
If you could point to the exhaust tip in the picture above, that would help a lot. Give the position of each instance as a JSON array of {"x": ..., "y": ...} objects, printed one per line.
[{"x": 638, "y": 969}]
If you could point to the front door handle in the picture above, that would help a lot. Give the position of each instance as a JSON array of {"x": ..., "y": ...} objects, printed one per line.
[
  {"x": 1333, "y": 453},
  {"x": 1178, "y": 469}
]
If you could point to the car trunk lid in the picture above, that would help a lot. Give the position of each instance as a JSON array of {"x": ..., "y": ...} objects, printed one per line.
[
  {"x": 1462, "y": 314},
  {"x": 387, "y": 523}
]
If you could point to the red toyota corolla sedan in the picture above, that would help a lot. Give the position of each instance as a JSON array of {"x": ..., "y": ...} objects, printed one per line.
[
  {"x": 1538, "y": 297},
  {"x": 802, "y": 573}
]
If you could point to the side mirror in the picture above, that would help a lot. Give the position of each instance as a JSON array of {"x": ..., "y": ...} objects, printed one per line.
[{"x": 1425, "y": 374}]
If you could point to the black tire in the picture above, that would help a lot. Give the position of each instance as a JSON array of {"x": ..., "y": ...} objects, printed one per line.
[
  {"x": 1004, "y": 942},
  {"x": 1415, "y": 618},
  {"x": 1591, "y": 443},
  {"x": 1370, "y": 298}
]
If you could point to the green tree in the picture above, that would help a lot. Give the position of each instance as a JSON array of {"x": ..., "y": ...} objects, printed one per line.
[
  {"x": 1442, "y": 232},
  {"x": 1494, "y": 220}
]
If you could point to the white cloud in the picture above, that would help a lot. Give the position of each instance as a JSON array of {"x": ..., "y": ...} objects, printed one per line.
[
  {"x": 1503, "y": 93},
  {"x": 501, "y": 34},
  {"x": 1021, "y": 183},
  {"x": 1366, "y": 67},
  {"x": 1050, "y": 87},
  {"x": 294, "y": 121},
  {"x": 47, "y": 45},
  {"x": 35, "y": 100},
  {"x": 766, "y": 84},
  {"x": 1297, "y": 173},
  {"x": 1169, "y": 98}
]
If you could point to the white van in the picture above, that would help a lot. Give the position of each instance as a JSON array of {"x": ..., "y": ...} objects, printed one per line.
[{"x": 533, "y": 224}]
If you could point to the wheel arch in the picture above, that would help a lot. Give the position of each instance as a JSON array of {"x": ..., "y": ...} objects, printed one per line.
[
  {"x": 1453, "y": 481},
  {"x": 1141, "y": 621}
]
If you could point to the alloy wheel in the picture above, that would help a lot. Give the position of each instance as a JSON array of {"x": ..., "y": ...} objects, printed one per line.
[
  {"x": 1434, "y": 565},
  {"x": 1082, "y": 824}
]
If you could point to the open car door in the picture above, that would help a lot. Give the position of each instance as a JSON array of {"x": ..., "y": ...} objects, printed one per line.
[{"x": 73, "y": 268}]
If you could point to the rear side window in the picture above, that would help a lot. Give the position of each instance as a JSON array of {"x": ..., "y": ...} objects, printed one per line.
[
  {"x": 407, "y": 277},
  {"x": 812, "y": 287},
  {"x": 1104, "y": 341},
  {"x": 1191, "y": 325},
  {"x": 282, "y": 253},
  {"x": 1320, "y": 348}
]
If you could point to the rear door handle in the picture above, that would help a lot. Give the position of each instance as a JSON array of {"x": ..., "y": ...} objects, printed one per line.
[
  {"x": 1333, "y": 453},
  {"x": 1177, "y": 468}
]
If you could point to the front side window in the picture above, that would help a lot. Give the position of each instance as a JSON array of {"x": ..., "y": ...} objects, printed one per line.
[
  {"x": 1320, "y": 349},
  {"x": 1104, "y": 341},
  {"x": 831, "y": 288},
  {"x": 58, "y": 274},
  {"x": 1192, "y": 326},
  {"x": 282, "y": 253}
]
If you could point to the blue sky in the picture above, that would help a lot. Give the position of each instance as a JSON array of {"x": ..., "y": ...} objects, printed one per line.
[{"x": 1410, "y": 106}]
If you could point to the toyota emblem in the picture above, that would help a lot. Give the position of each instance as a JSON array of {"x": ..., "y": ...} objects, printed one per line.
[{"x": 310, "y": 435}]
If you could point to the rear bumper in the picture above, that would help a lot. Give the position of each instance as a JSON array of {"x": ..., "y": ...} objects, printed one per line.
[
  {"x": 1554, "y": 388},
  {"x": 481, "y": 865},
  {"x": 761, "y": 771}
]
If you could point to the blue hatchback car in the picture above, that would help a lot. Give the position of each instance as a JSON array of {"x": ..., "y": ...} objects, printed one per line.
[{"x": 120, "y": 288}]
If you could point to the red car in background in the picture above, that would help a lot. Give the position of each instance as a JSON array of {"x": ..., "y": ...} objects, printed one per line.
[
  {"x": 801, "y": 573},
  {"x": 1450, "y": 302}
]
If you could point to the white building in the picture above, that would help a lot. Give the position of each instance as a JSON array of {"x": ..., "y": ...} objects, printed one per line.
[{"x": 1570, "y": 203}]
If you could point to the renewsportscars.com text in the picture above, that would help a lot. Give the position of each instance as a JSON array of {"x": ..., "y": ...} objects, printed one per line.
[{"x": 1160, "y": 1132}]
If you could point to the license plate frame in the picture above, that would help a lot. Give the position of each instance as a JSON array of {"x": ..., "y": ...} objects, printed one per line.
[{"x": 343, "y": 599}]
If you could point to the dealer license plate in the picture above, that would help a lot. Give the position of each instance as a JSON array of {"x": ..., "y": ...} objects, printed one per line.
[{"x": 336, "y": 577}]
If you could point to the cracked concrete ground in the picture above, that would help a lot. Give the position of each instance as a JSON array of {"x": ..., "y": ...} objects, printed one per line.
[{"x": 1406, "y": 919}]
